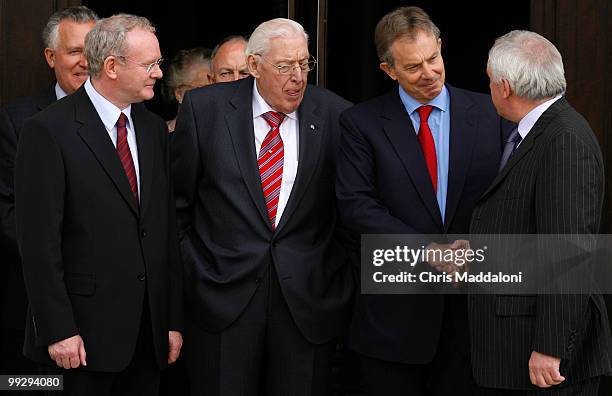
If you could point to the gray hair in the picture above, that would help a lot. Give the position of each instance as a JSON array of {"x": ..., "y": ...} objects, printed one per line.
[
  {"x": 259, "y": 42},
  {"x": 78, "y": 14},
  {"x": 399, "y": 23},
  {"x": 108, "y": 37},
  {"x": 180, "y": 67},
  {"x": 531, "y": 64}
]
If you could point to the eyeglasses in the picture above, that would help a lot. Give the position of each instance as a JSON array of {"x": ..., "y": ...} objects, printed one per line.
[
  {"x": 285, "y": 68},
  {"x": 148, "y": 67}
]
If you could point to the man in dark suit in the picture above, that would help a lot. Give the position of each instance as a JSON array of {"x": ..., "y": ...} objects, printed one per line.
[
  {"x": 551, "y": 181},
  {"x": 267, "y": 279},
  {"x": 96, "y": 225},
  {"x": 392, "y": 180},
  {"x": 64, "y": 38}
]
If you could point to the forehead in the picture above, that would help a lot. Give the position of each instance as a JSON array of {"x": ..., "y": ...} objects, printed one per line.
[
  {"x": 233, "y": 50},
  {"x": 289, "y": 48},
  {"x": 424, "y": 44},
  {"x": 142, "y": 42},
  {"x": 72, "y": 33}
]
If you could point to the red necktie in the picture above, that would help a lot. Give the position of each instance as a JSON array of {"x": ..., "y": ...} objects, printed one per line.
[
  {"x": 270, "y": 163},
  {"x": 428, "y": 145},
  {"x": 123, "y": 150}
]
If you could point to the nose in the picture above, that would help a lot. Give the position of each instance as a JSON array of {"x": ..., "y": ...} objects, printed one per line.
[
  {"x": 428, "y": 71},
  {"x": 157, "y": 72},
  {"x": 296, "y": 74},
  {"x": 236, "y": 74},
  {"x": 83, "y": 61}
]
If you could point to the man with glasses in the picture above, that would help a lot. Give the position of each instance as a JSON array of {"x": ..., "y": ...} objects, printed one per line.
[
  {"x": 64, "y": 38},
  {"x": 96, "y": 225},
  {"x": 268, "y": 278}
]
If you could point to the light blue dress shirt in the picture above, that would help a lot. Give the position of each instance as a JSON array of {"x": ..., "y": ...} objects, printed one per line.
[{"x": 439, "y": 124}]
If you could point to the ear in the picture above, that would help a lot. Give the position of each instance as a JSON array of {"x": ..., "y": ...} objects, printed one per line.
[
  {"x": 506, "y": 89},
  {"x": 109, "y": 68},
  {"x": 50, "y": 57},
  {"x": 253, "y": 66},
  {"x": 384, "y": 66},
  {"x": 440, "y": 44},
  {"x": 211, "y": 77}
]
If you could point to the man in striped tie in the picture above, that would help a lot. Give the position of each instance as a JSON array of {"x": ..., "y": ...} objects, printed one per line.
[{"x": 268, "y": 277}]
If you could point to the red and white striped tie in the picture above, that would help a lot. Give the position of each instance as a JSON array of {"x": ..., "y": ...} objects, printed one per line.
[
  {"x": 123, "y": 150},
  {"x": 270, "y": 163}
]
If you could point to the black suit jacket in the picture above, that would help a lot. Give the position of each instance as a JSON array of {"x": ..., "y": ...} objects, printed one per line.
[
  {"x": 553, "y": 184},
  {"x": 226, "y": 240},
  {"x": 13, "y": 300},
  {"x": 90, "y": 253},
  {"x": 384, "y": 188}
]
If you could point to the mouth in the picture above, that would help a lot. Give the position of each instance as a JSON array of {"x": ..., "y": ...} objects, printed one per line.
[{"x": 293, "y": 92}]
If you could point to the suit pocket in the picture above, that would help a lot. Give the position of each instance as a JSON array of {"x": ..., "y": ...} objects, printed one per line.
[
  {"x": 80, "y": 284},
  {"x": 515, "y": 306}
]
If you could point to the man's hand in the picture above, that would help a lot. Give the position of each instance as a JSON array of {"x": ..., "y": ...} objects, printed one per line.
[
  {"x": 175, "y": 342},
  {"x": 68, "y": 353},
  {"x": 544, "y": 370},
  {"x": 436, "y": 251}
]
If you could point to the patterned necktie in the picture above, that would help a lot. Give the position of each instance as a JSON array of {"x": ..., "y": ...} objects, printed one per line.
[
  {"x": 123, "y": 150},
  {"x": 270, "y": 163},
  {"x": 428, "y": 145},
  {"x": 511, "y": 143}
]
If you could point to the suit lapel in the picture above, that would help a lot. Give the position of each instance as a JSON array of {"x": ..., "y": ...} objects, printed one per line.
[
  {"x": 95, "y": 136},
  {"x": 310, "y": 134},
  {"x": 400, "y": 132},
  {"x": 463, "y": 130},
  {"x": 144, "y": 141},
  {"x": 527, "y": 144},
  {"x": 240, "y": 125},
  {"x": 46, "y": 98}
]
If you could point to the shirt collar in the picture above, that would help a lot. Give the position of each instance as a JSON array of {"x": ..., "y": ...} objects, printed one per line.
[
  {"x": 527, "y": 122},
  {"x": 440, "y": 102},
  {"x": 59, "y": 92},
  {"x": 108, "y": 112},
  {"x": 260, "y": 106}
]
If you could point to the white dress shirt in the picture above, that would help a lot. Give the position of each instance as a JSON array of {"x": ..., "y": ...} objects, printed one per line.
[
  {"x": 289, "y": 133},
  {"x": 527, "y": 122},
  {"x": 59, "y": 92},
  {"x": 109, "y": 114}
]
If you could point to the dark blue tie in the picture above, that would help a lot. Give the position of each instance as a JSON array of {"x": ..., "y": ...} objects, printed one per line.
[{"x": 513, "y": 141}]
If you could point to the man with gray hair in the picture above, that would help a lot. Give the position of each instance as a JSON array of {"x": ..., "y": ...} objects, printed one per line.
[
  {"x": 64, "y": 38},
  {"x": 254, "y": 172},
  {"x": 96, "y": 225},
  {"x": 551, "y": 181},
  {"x": 228, "y": 60}
]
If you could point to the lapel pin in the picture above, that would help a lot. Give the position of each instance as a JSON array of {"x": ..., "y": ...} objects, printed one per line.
[{"x": 312, "y": 127}]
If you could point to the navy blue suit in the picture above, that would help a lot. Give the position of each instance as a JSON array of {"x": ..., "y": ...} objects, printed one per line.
[{"x": 383, "y": 187}]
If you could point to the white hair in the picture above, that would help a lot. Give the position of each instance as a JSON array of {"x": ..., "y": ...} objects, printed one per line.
[
  {"x": 531, "y": 64},
  {"x": 259, "y": 41}
]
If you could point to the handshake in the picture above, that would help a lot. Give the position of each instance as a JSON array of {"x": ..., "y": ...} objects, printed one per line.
[{"x": 449, "y": 257}]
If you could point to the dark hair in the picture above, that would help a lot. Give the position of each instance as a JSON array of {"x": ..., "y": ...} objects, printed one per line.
[{"x": 402, "y": 22}]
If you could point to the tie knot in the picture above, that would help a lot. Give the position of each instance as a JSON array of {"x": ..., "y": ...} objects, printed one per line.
[
  {"x": 274, "y": 118},
  {"x": 514, "y": 137},
  {"x": 424, "y": 112},
  {"x": 122, "y": 121}
]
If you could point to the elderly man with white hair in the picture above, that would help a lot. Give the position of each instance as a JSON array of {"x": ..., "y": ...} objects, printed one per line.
[{"x": 268, "y": 279}]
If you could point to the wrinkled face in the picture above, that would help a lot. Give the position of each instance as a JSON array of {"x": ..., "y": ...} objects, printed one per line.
[
  {"x": 418, "y": 66},
  {"x": 196, "y": 76},
  {"x": 67, "y": 59},
  {"x": 283, "y": 92},
  {"x": 134, "y": 83},
  {"x": 229, "y": 63}
]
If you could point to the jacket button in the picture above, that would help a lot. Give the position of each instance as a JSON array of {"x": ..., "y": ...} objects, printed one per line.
[{"x": 141, "y": 277}]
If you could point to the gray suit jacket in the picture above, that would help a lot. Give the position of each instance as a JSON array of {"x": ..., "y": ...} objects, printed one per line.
[{"x": 553, "y": 184}]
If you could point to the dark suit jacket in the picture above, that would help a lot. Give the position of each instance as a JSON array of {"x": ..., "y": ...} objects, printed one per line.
[
  {"x": 90, "y": 254},
  {"x": 384, "y": 188},
  {"x": 553, "y": 184},
  {"x": 13, "y": 300},
  {"x": 226, "y": 240}
]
